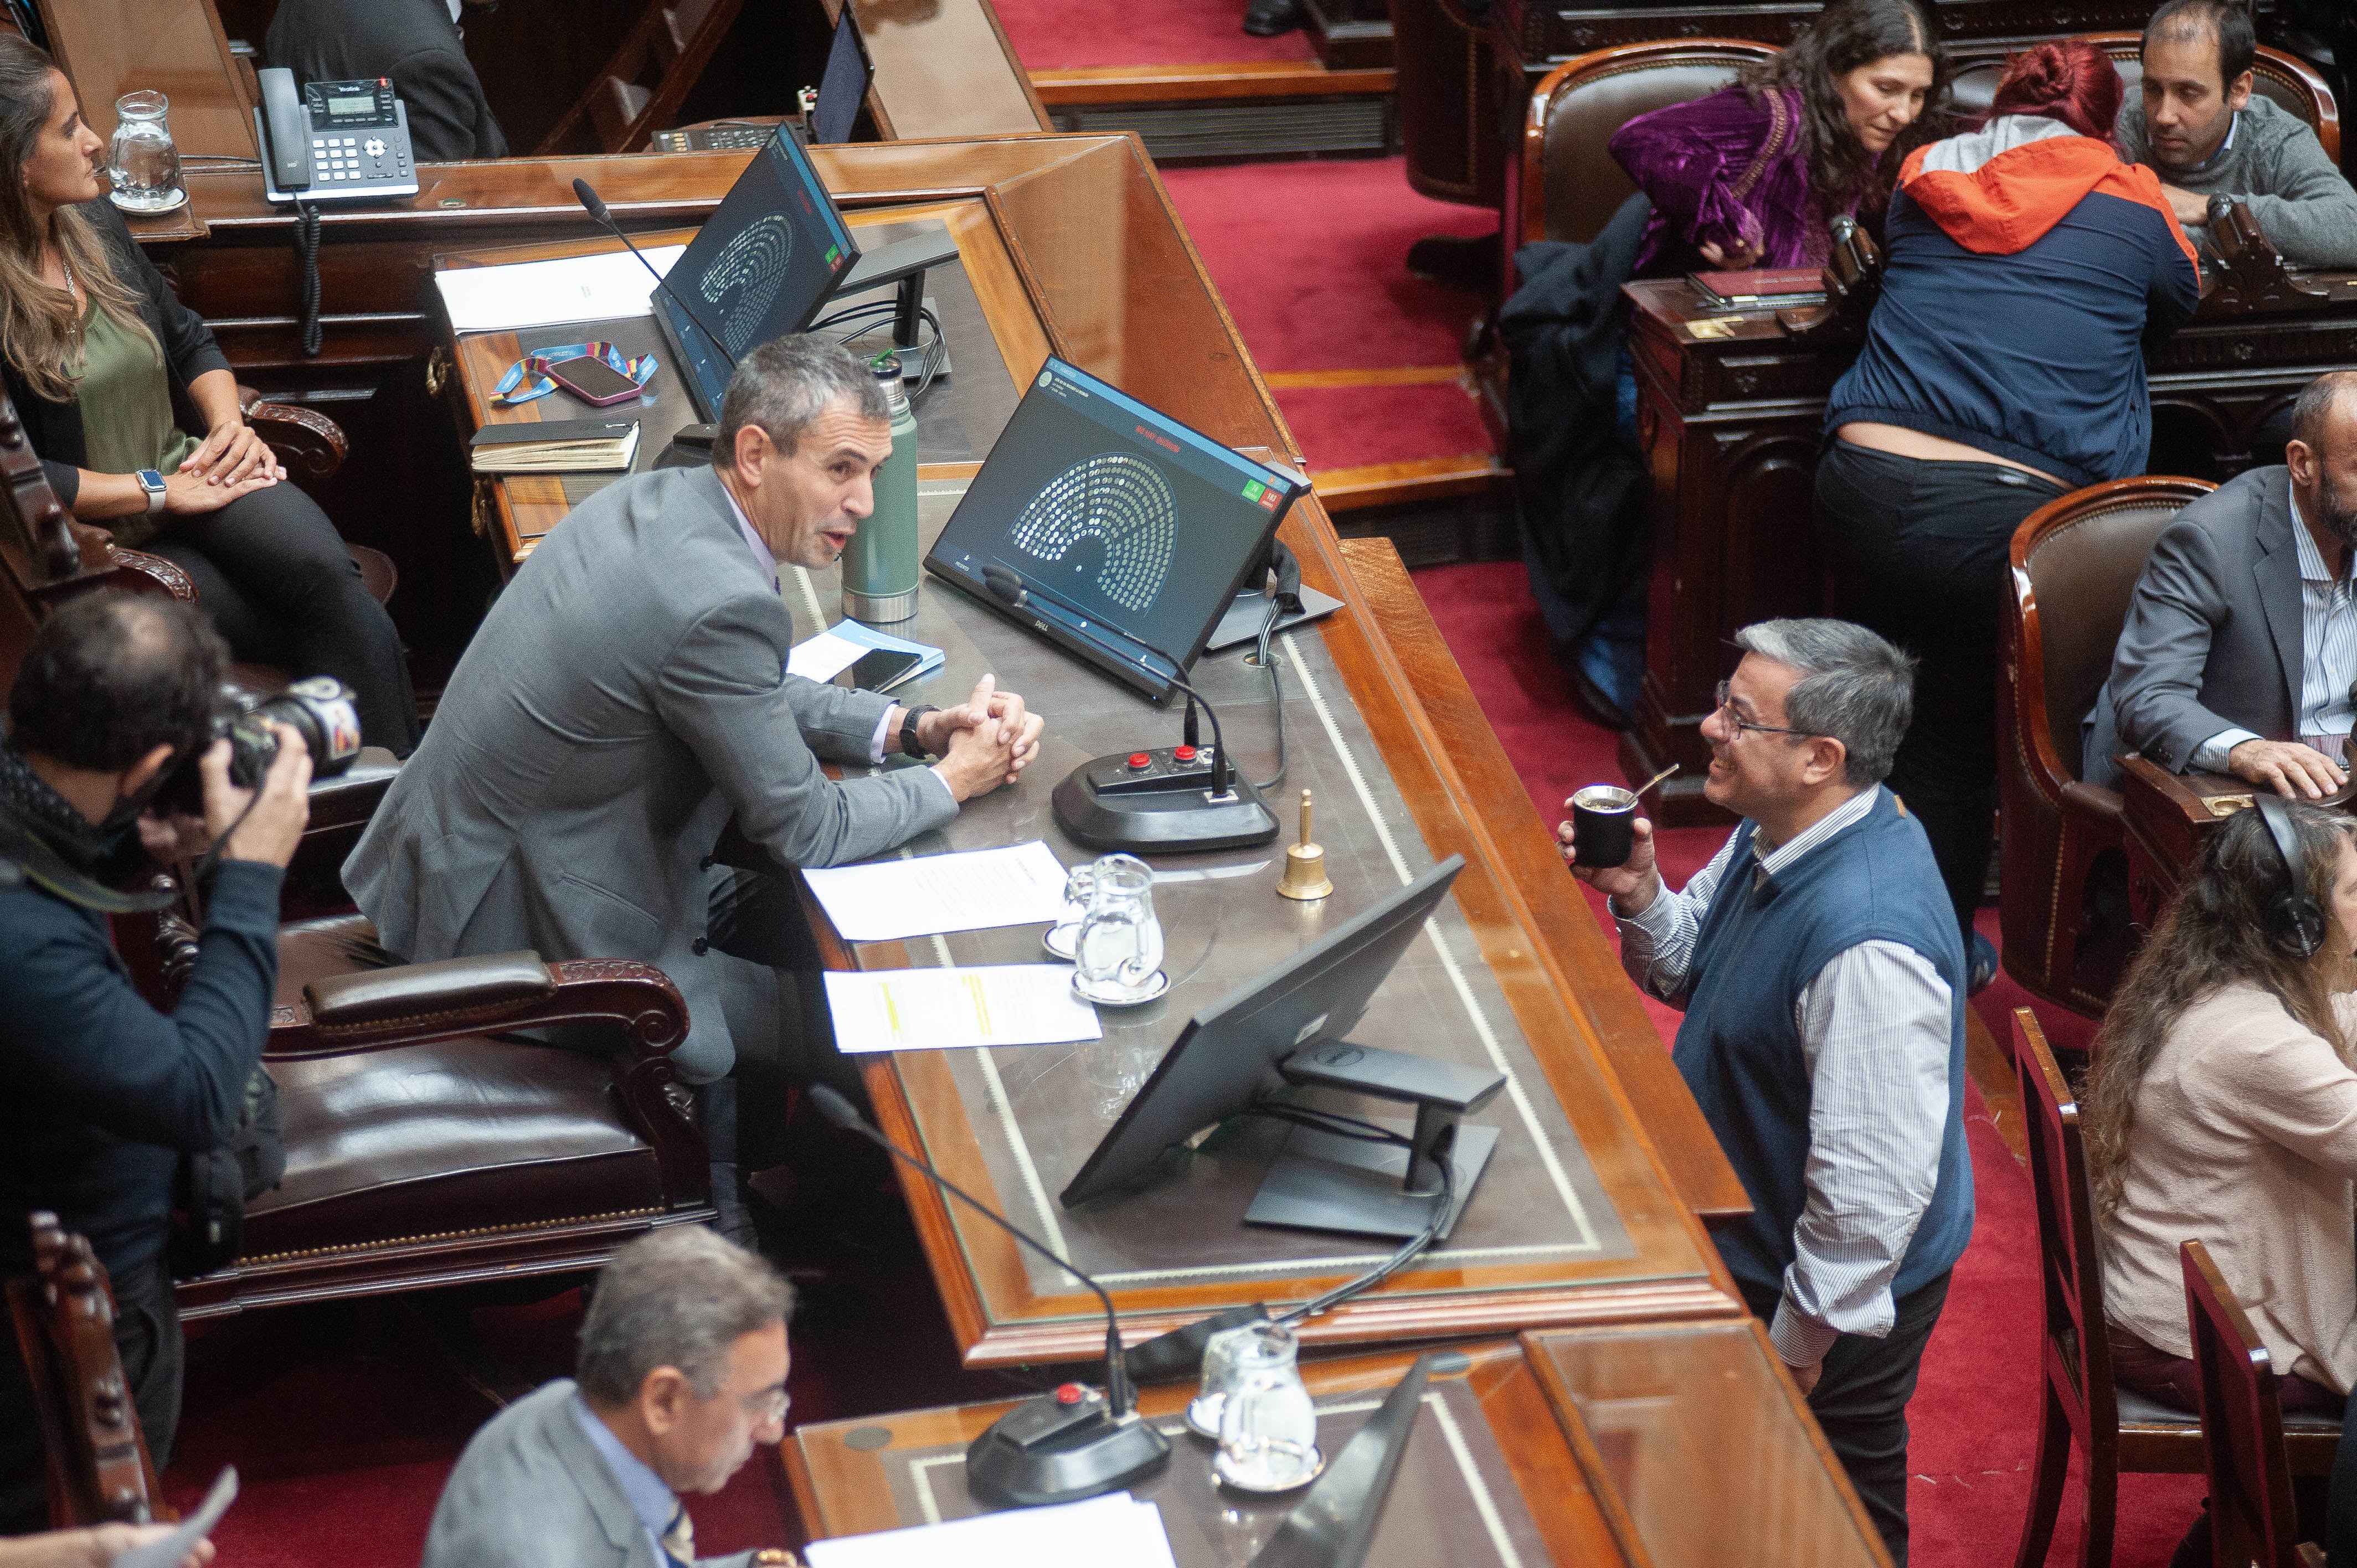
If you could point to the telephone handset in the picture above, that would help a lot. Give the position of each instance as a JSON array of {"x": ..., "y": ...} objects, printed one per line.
[{"x": 332, "y": 141}]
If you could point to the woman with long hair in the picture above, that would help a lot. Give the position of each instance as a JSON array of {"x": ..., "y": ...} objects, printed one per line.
[
  {"x": 1752, "y": 176},
  {"x": 2222, "y": 1107},
  {"x": 112, "y": 374},
  {"x": 2003, "y": 368}
]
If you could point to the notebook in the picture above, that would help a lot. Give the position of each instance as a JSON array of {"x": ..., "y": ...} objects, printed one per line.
[
  {"x": 555, "y": 446},
  {"x": 1762, "y": 290}
]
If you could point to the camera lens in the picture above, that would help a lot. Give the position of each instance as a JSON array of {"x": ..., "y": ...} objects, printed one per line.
[{"x": 321, "y": 709}]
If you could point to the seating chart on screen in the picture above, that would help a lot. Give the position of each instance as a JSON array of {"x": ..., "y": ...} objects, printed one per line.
[
  {"x": 752, "y": 267},
  {"x": 1114, "y": 511}
]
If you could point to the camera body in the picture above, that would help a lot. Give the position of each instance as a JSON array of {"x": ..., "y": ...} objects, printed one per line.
[{"x": 321, "y": 709}]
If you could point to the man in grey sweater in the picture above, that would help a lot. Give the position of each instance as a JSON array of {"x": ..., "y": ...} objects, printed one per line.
[{"x": 2205, "y": 134}]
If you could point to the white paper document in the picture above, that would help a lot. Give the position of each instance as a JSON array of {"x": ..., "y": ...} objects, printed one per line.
[
  {"x": 888, "y": 900},
  {"x": 949, "y": 1009},
  {"x": 824, "y": 657},
  {"x": 1112, "y": 1532},
  {"x": 543, "y": 294},
  {"x": 167, "y": 1552}
]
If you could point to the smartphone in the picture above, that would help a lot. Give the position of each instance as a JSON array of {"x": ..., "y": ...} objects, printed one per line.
[
  {"x": 593, "y": 381},
  {"x": 883, "y": 670}
]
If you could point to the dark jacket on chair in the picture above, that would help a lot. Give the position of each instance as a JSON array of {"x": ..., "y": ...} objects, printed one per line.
[
  {"x": 55, "y": 428},
  {"x": 412, "y": 41},
  {"x": 2213, "y": 639}
]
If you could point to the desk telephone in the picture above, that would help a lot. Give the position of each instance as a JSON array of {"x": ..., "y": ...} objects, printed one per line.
[{"x": 333, "y": 141}]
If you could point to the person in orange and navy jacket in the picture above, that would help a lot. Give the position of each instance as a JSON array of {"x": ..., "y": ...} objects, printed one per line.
[{"x": 2025, "y": 266}]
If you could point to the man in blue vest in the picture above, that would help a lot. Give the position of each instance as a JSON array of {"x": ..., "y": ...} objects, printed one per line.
[{"x": 1819, "y": 965}]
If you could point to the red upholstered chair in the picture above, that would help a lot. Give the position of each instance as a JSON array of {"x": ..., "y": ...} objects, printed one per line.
[
  {"x": 2114, "y": 1429},
  {"x": 2252, "y": 1517},
  {"x": 2290, "y": 81},
  {"x": 2075, "y": 564},
  {"x": 98, "y": 1471}
]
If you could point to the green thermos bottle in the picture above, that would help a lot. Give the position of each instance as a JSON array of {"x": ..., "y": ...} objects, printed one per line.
[{"x": 879, "y": 570}]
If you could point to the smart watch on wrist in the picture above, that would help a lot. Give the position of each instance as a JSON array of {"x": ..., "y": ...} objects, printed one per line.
[
  {"x": 910, "y": 745},
  {"x": 152, "y": 483}
]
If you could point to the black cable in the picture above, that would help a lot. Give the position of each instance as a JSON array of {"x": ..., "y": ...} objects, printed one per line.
[
  {"x": 935, "y": 348},
  {"x": 1334, "y": 1122},
  {"x": 307, "y": 247},
  {"x": 1275, "y": 691}
]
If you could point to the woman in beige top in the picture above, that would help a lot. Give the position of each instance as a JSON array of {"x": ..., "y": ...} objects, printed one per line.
[{"x": 2223, "y": 1106}]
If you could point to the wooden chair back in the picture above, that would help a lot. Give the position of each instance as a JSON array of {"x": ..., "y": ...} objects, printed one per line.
[
  {"x": 2078, "y": 1356},
  {"x": 1568, "y": 184},
  {"x": 641, "y": 89},
  {"x": 99, "y": 1470},
  {"x": 2289, "y": 82},
  {"x": 2252, "y": 1517}
]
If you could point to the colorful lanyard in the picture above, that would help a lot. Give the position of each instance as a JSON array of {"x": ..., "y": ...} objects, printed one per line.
[{"x": 528, "y": 378}]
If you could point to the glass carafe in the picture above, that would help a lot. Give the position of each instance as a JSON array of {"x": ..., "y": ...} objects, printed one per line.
[
  {"x": 142, "y": 164},
  {"x": 1119, "y": 961},
  {"x": 1268, "y": 1427}
]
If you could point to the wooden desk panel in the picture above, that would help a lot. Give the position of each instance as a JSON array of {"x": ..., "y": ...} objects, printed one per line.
[
  {"x": 1490, "y": 1479},
  {"x": 109, "y": 47},
  {"x": 944, "y": 69}
]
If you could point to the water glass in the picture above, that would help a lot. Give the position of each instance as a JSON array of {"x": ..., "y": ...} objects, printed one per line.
[
  {"x": 1218, "y": 1379},
  {"x": 1268, "y": 1427},
  {"x": 1120, "y": 957},
  {"x": 1063, "y": 938},
  {"x": 142, "y": 162}
]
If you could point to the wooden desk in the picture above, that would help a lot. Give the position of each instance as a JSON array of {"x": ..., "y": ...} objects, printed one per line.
[
  {"x": 109, "y": 47},
  {"x": 944, "y": 69},
  {"x": 2169, "y": 817},
  {"x": 1663, "y": 1447},
  {"x": 1731, "y": 417}
]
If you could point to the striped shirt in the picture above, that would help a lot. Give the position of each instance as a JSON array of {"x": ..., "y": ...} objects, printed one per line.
[
  {"x": 1874, "y": 1026},
  {"x": 2327, "y": 657}
]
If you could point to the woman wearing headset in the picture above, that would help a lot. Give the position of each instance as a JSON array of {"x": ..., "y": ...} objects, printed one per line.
[{"x": 2223, "y": 1108}]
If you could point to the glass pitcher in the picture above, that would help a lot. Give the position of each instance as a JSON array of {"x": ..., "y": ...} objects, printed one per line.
[
  {"x": 1268, "y": 1427},
  {"x": 1120, "y": 957},
  {"x": 142, "y": 162}
]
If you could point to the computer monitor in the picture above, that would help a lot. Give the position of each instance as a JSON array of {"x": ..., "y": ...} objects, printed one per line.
[
  {"x": 844, "y": 87},
  {"x": 1128, "y": 534},
  {"x": 1289, "y": 1027},
  {"x": 760, "y": 268}
]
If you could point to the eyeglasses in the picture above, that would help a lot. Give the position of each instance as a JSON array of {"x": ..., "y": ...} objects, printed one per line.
[
  {"x": 1735, "y": 723},
  {"x": 767, "y": 1406}
]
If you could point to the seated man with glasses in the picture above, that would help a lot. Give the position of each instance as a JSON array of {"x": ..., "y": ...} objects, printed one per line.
[
  {"x": 682, "y": 1370},
  {"x": 1818, "y": 962}
]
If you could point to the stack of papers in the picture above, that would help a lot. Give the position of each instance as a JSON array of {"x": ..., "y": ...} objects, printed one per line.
[
  {"x": 957, "y": 1009},
  {"x": 845, "y": 643},
  {"x": 523, "y": 294},
  {"x": 1115, "y": 1530},
  {"x": 891, "y": 901}
]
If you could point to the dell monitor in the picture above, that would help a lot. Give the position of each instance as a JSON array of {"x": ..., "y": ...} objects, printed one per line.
[
  {"x": 844, "y": 87},
  {"x": 1289, "y": 1027},
  {"x": 1111, "y": 530},
  {"x": 760, "y": 268}
]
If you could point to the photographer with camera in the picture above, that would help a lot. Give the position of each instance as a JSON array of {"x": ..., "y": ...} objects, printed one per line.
[{"x": 105, "y": 1094}]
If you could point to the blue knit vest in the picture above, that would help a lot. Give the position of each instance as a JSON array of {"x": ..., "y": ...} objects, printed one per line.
[{"x": 1873, "y": 881}]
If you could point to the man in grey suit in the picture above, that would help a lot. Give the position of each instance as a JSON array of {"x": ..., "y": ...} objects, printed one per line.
[
  {"x": 2241, "y": 643},
  {"x": 626, "y": 696},
  {"x": 682, "y": 1370}
]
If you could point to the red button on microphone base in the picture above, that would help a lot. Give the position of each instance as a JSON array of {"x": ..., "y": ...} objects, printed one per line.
[
  {"x": 1070, "y": 1393},
  {"x": 1141, "y": 759},
  {"x": 1184, "y": 753}
]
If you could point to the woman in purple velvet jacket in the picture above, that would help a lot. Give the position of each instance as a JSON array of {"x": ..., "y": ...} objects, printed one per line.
[{"x": 1750, "y": 176}]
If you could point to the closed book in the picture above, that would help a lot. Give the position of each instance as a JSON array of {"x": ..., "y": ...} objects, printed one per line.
[
  {"x": 555, "y": 446},
  {"x": 1764, "y": 289}
]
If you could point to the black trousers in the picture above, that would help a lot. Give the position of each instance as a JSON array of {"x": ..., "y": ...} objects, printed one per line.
[
  {"x": 1861, "y": 1401},
  {"x": 274, "y": 578},
  {"x": 1918, "y": 553},
  {"x": 147, "y": 1338}
]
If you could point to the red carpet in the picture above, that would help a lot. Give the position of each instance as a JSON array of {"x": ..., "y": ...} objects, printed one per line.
[
  {"x": 1336, "y": 295},
  {"x": 1069, "y": 35},
  {"x": 1975, "y": 1409}
]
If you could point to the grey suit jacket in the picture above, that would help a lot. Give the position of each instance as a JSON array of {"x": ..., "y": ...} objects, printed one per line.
[
  {"x": 624, "y": 697},
  {"x": 2213, "y": 639},
  {"x": 533, "y": 1491}
]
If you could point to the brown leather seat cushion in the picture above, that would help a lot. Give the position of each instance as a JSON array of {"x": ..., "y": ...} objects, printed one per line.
[
  {"x": 2084, "y": 574},
  {"x": 1584, "y": 184},
  {"x": 317, "y": 949},
  {"x": 467, "y": 1135}
]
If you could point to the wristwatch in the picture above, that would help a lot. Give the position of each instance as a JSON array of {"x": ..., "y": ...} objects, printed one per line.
[
  {"x": 152, "y": 483},
  {"x": 910, "y": 745}
]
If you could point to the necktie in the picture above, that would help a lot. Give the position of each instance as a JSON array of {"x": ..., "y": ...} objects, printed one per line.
[{"x": 679, "y": 1541}]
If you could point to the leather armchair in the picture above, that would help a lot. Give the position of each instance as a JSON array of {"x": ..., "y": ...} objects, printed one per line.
[
  {"x": 429, "y": 1142},
  {"x": 2290, "y": 81},
  {"x": 97, "y": 1459},
  {"x": 2064, "y": 909}
]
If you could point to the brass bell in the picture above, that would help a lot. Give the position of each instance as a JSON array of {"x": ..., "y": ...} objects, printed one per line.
[{"x": 1305, "y": 864}]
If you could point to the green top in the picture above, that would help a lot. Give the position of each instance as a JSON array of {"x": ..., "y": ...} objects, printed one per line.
[{"x": 126, "y": 413}]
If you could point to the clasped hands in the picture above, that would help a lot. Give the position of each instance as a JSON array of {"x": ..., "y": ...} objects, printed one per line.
[
  {"x": 233, "y": 461},
  {"x": 983, "y": 742}
]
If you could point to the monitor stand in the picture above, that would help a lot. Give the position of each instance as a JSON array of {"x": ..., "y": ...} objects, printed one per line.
[{"x": 1325, "y": 1181}]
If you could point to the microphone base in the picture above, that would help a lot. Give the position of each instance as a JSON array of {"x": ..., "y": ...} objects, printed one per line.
[
  {"x": 1059, "y": 1449},
  {"x": 1099, "y": 806}
]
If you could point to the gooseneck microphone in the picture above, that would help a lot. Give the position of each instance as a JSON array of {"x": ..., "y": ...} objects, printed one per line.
[
  {"x": 595, "y": 205},
  {"x": 1056, "y": 1448}
]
